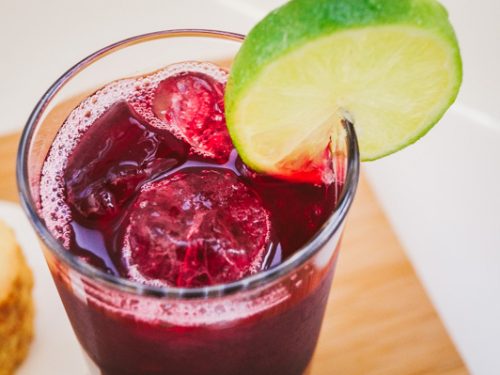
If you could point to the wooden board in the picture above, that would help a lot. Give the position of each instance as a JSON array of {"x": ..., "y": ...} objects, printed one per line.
[{"x": 379, "y": 319}]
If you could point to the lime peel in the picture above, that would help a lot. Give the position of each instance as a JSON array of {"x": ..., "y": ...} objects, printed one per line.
[{"x": 394, "y": 66}]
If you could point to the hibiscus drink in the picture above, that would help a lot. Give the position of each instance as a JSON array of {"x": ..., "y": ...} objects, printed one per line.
[
  {"x": 154, "y": 191},
  {"x": 143, "y": 183}
]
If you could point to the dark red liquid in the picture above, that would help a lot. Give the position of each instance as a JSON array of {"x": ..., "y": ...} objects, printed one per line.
[
  {"x": 179, "y": 207},
  {"x": 120, "y": 153}
]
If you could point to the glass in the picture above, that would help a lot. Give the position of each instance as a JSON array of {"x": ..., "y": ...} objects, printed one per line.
[{"x": 264, "y": 324}]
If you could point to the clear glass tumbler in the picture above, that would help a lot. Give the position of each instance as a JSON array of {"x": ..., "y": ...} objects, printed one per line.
[{"x": 266, "y": 324}]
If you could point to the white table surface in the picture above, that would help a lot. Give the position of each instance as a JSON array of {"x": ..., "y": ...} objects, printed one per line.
[{"x": 441, "y": 195}]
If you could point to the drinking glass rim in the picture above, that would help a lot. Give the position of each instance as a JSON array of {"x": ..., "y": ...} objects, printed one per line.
[{"x": 328, "y": 229}]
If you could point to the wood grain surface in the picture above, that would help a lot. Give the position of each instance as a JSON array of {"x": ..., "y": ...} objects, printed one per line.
[{"x": 379, "y": 320}]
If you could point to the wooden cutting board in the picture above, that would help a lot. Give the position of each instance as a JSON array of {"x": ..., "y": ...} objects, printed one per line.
[{"x": 379, "y": 319}]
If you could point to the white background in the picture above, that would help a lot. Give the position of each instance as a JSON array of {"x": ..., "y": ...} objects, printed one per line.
[{"x": 442, "y": 195}]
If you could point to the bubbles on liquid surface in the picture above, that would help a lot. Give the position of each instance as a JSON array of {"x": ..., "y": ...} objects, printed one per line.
[
  {"x": 139, "y": 93},
  {"x": 187, "y": 99}
]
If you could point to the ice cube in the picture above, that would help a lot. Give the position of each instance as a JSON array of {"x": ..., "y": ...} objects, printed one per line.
[
  {"x": 113, "y": 157},
  {"x": 193, "y": 103},
  {"x": 195, "y": 228}
]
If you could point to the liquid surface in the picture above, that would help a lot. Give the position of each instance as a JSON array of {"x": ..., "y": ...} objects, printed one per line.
[{"x": 152, "y": 190}]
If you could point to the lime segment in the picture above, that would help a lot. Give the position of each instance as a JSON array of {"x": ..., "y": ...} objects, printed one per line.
[{"x": 393, "y": 79}]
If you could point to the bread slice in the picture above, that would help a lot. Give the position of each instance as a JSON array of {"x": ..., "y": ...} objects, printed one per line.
[{"x": 16, "y": 303}]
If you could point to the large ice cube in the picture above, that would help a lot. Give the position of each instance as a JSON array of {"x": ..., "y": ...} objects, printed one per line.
[
  {"x": 114, "y": 157},
  {"x": 197, "y": 227}
]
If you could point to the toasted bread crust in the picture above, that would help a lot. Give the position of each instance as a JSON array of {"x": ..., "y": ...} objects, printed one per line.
[{"x": 16, "y": 303}]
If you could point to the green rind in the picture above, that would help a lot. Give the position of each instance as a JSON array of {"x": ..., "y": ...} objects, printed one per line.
[{"x": 288, "y": 27}]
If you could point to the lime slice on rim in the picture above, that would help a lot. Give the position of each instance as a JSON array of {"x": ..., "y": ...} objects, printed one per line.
[{"x": 393, "y": 67}]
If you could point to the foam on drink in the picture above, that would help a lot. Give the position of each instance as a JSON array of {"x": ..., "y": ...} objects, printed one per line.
[{"x": 139, "y": 93}]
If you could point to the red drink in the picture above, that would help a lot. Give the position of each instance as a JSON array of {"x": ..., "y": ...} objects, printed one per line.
[
  {"x": 155, "y": 208},
  {"x": 198, "y": 265}
]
